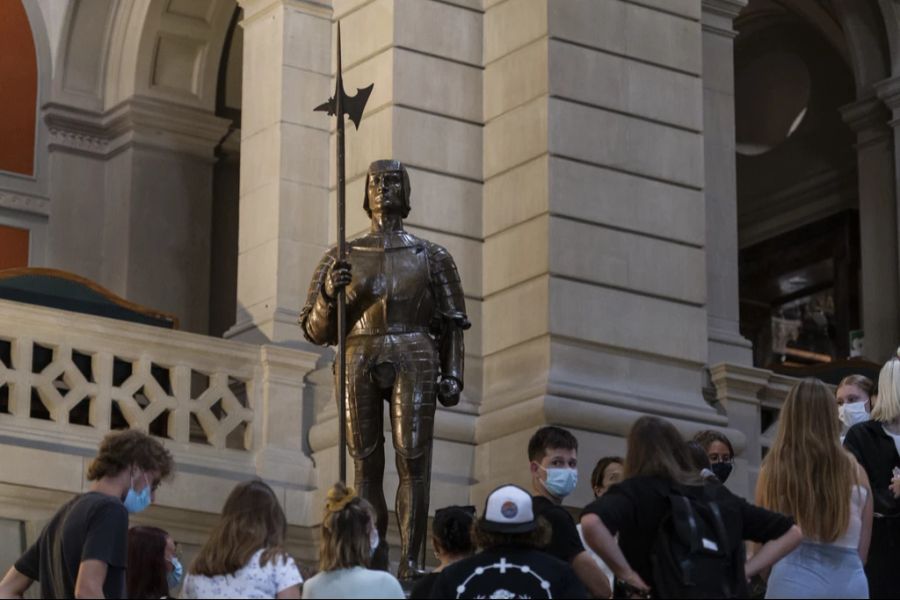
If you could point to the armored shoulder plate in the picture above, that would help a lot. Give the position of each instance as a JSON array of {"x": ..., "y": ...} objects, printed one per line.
[{"x": 447, "y": 287}]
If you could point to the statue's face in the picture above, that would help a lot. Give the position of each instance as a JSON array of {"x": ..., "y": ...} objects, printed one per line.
[{"x": 386, "y": 193}]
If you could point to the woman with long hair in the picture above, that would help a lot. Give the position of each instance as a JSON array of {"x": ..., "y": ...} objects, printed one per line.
[
  {"x": 807, "y": 474},
  {"x": 153, "y": 567},
  {"x": 244, "y": 556},
  {"x": 349, "y": 539},
  {"x": 658, "y": 464},
  {"x": 875, "y": 445}
]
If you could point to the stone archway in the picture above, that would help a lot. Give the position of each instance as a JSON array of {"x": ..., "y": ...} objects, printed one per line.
[
  {"x": 835, "y": 172},
  {"x": 138, "y": 129}
]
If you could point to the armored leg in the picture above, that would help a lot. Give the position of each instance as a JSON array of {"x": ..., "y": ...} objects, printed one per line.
[
  {"x": 365, "y": 440},
  {"x": 412, "y": 416}
]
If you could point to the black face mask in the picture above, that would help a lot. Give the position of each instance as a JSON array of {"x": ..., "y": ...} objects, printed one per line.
[{"x": 722, "y": 470}]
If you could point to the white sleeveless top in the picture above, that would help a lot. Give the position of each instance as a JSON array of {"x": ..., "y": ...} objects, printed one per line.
[{"x": 850, "y": 539}]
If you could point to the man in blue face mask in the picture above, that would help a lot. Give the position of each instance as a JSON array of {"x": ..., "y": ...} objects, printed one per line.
[
  {"x": 553, "y": 460},
  {"x": 82, "y": 552}
]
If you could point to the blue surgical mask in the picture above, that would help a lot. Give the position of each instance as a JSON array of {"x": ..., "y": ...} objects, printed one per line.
[
  {"x": 173, "y": 577},
  {"x": 136, "y": 502},
  {"x": 561, "y": 481}
]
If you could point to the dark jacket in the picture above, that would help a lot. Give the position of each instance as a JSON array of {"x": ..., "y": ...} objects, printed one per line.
[{"x": 876, "y": 452}]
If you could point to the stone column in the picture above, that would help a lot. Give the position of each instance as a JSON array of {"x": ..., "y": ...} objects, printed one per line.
[
  {"x": 594, "y": 261},
  {"x": 878, "y": 224},
  {"x": 738, "y": 389},
  {"x": 148, "y": 236},
  {"x": 284, "y": 220},
  {"x": 722, "y": 302},
  {"x": 889, "y": 92}
]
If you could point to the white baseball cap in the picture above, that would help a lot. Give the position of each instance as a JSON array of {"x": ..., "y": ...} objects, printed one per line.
[{"x": 508, "y": 510}]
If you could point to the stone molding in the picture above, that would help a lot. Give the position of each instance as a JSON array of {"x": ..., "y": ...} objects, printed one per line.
[
  {"x": 718, "y": 16},
  {"x": 869, "y": 119},
  {"x": 889, "y": 93},
  {"x": 256, "y": 9},
  {"x": 25, "y": 203},
  {"x": 735, "y": 383},
  {"x": 139, "y": 121}
]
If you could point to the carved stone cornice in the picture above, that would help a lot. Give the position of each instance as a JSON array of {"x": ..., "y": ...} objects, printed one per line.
[
  {"x": 889, "y": 93},
  {"x": 254, "y": 9},
  {"x": 869, "y": 119},
  {"x": 718, "y": 16},
  {"x": 138, "y": 121}
]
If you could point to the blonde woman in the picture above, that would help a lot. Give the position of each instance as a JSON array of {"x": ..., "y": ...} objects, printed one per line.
[
  {"x": 875, "y": 444},
  {"x": 244, "y": 556},
  {"x": 854, "y": 398},
  {"x": 807, "y": 474},
  {"x": 349, "y": 538}
]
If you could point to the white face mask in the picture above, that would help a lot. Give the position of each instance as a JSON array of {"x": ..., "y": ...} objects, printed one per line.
[
  {"x": 853, "y": 413},
  {"x": 374, "y": 540}
]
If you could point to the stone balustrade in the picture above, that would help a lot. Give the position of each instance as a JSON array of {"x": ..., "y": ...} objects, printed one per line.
[{"x": 227, "y": 411}]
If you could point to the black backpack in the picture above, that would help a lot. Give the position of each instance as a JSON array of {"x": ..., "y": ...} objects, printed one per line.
[{"x": 690, "y": 557}]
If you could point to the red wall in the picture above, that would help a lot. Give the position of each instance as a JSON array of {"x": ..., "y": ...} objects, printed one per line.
[
  {"x": 18, "y": 89},
  {"x": 13, "y": 243}
]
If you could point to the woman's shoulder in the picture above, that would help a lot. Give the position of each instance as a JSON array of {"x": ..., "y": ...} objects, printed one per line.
[{"x": 864, "y": 430}]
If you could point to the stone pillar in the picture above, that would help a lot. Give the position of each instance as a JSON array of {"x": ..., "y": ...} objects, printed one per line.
[
  {"x": 284, "y": 219},
  {"x": 594, "y": 261},
  {"x": 738, "y": 389},
  {"x": 722, "y": 302},
  {"x": 878, "y": 224},
  {"x": 283, "y": 454},
  {"x": 148, "y": 238},
  {"x": 889, "y": 92}
]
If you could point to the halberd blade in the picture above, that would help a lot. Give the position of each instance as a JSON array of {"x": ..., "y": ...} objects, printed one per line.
[{"x": 354, "y": 106}]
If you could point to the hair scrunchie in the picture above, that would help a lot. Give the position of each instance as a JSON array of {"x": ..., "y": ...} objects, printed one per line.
[{"x": 333, "y": 504}]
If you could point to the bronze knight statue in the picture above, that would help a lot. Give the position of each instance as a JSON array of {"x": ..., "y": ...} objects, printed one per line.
[{"x": 405, "y": 320}]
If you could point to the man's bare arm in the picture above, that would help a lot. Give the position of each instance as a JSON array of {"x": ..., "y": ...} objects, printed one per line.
[
  {"x": 591, "y": 575},
  {"x": 91, "y": 575},
  {"x": 14, "y": 584}
]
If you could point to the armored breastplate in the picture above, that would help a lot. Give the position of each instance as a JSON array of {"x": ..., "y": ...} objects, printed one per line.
[{"x": 391, "y": 288}]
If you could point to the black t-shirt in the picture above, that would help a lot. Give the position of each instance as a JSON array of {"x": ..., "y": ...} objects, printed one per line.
[
  {"x": 565, "y": 543},
  {"x": 508, "y": 572},
  {"x": 91, "y": 526},
  {"x": 423, "y": 587},
  {"x": 635, "y": 508}
]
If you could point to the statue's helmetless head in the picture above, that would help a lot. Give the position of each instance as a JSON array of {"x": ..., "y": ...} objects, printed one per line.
[{"x": 388, "y": 166}]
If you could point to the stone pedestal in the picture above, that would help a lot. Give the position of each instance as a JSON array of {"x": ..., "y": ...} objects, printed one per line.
[{"x": 738, "y": 390}]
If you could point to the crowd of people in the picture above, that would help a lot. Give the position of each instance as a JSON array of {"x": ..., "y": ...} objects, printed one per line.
[{"x": 825, "y": 523}]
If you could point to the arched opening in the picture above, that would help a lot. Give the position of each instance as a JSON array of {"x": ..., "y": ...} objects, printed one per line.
[
  {"x": 19, "y": 84},
  {"x": 797, "y": 182}
]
